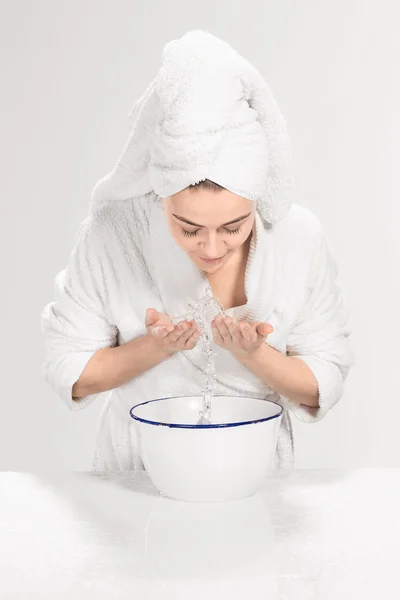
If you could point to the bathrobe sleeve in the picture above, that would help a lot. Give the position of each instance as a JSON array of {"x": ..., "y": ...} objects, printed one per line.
[
  {"x": 320, "y": 335},
  {"x": 74, "y": 323}
]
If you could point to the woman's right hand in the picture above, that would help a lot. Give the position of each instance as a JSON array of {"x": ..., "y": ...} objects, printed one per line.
[{"x": 169, "y": 337}]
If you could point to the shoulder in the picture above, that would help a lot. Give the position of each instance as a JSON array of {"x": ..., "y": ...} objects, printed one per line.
[
  {"x": 300, "y": 221},
  {"x": 302, "y": 241},
  {"x": 299, "y": 232},
  {"x": 116, "y": 221},
  {"x": 305, "y": 244}
]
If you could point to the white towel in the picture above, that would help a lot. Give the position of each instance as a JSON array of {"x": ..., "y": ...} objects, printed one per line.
[{"x": 208, "y": 114}]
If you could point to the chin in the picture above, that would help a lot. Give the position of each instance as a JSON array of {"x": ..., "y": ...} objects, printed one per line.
[{"x": 211, "y": 268}]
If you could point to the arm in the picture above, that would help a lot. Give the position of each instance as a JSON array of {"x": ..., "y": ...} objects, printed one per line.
[
  {"x": 112, "y": 367},
  {"x": 74, "y": 324},
  {"x": 310, "y": 378},
  {"x": 283, "y": 374}
]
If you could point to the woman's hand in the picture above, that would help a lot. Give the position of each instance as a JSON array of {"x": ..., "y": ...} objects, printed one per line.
[
  {"x": 183, "y": 336},
  {"x": 242, "y": 338}
]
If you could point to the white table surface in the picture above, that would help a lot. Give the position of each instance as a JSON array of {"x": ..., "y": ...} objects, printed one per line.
[{"x": 331, "y": 535}]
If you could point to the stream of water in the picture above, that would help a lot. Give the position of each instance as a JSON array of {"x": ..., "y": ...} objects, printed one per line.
[{"x": 199, "y": 311}]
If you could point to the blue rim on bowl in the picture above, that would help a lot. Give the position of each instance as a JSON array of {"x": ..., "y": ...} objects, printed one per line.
[{"x": 205, "y": 426}]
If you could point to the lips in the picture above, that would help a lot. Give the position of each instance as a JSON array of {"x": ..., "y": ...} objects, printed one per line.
[
  {"x": 212, "y": 261},
  {"x": 217, "y": 258}
]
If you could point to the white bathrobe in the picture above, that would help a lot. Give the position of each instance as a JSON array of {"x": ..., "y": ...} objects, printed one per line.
[{"x": 125, "y": 261}]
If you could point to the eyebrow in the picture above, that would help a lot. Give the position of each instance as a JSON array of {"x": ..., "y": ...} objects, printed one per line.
[{"x": 197, "y": 225}]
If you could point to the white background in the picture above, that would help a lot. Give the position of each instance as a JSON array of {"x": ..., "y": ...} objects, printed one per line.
[{"x": 71, "y": 72}]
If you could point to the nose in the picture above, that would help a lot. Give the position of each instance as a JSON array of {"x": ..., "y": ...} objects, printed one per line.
[{"x": 212, "y": 247}]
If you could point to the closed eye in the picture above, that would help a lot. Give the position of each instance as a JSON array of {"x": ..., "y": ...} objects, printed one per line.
[{"x": 193, "y": 233}]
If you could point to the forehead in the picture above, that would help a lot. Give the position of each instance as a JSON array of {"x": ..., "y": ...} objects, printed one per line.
[{"x": 207, "y": 206}]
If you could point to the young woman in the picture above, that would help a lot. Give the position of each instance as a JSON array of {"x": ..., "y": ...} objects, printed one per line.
[{"x": 154, "y": 242}]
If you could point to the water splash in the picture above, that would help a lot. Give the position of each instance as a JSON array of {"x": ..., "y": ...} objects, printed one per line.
[{"x": 199, "y": 311}]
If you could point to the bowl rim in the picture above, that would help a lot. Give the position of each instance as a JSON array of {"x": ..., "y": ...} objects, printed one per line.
[{"x": 204, "y": 426}]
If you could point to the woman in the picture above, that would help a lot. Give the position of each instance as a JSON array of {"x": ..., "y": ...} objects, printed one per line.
[{"x": 144, "y": 253}]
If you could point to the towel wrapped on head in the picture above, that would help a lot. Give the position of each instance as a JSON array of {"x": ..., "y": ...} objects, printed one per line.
[{"x": 208, "y": 114}]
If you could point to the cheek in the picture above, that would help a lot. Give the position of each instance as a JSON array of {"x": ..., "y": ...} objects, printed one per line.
[
  {"x": 240, "y": 238},
  {"x": 185, "y": 243}
]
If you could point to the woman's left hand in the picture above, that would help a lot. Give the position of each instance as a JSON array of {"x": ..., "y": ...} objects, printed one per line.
[{"x": 242, "y": 338}]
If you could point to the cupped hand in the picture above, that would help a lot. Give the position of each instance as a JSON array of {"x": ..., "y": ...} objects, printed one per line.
[
  {"x": 169, "y": 337},
  {"x": 242, "y": 338}
]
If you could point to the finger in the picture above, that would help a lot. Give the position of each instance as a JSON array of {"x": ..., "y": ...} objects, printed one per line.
[
  {"x": 193, "y": 338},
  {"x": 218, "y": 339},
  {"x": 254, "y": 325},
  {"x": 151, "y": 316},
  {"x": 222, "y": 327},
  {"x": 233, "y": 329},
  {"x": 248, "y": 332},
  {"x": 161, "y": 331},
  {"x": 184, "y": 337},
  {"x": 184, "y": 322},
  {"x": 264, "y": 329},
  {"x": 245, "y": 330},
  {"x": 177, "y": 331}
]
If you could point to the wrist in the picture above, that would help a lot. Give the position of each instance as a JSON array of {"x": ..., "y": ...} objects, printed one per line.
[
  {"x": 157, "y": 350},
  {"x": 259, "y": 353}
]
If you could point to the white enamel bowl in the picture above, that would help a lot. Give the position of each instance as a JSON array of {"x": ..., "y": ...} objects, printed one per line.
[{"x": 226, "y": 460}]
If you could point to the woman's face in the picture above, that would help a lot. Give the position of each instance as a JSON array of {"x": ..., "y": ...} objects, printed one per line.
[{"x": 201, "y": 223}]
